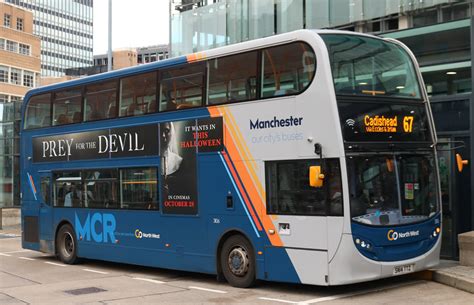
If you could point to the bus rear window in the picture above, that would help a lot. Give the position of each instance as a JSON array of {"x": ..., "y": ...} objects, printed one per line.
[
  {"x": 38, "y": 112},
  {"x": 369, "y": 67}
]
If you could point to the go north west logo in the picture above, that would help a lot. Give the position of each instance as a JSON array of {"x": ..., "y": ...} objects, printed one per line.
[
  {"x": 394, "y": 235},
  {"x": 139, "y": 235}
]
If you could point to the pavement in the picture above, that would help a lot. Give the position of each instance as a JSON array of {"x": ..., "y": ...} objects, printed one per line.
[{"x": 448, "y": 272}]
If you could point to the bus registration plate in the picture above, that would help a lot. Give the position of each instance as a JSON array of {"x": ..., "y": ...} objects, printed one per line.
[{"x": 403, "y": 269}]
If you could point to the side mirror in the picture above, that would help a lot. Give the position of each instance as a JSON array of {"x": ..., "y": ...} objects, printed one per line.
[
  {"x": 316, "y": 178},
  {"x": 460, "y": 162}
]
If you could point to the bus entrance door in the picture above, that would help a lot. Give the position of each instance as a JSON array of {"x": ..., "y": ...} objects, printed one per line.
[{"x": 46, "y": 213}]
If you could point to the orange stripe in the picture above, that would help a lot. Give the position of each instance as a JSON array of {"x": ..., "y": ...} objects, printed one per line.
[
  {"x": 244, "y": 175},
  {"x": 252, "y": 191},
  {"x": 32, "y": 183},
  {"x": 245, "y": 153},
  {"x": 242, "y": 191}
]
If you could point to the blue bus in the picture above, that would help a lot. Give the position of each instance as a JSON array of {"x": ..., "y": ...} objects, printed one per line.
[{"x": 306, "y": 157}]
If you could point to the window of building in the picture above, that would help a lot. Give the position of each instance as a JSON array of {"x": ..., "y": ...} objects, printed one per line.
[
  {"x": 2, "y": 44},
  {"x": 138, "y": 95},
  {"x": 230, "y": 80},
  {"x": 12, "y": 46},
  {"x": 7, "y": 20},
  {"x": 425, "y": 18},
  {"x": 3, "y": 98},
  {"x": 3, "y": 74},
  {"x": 287, "y": 69},
  {"x": 19, "y": 24},
  {"x": 182, "y": 87},
  {"x": 448, "y": 82},
  {"x": 455, "y": 12},
  {"x": 67, "y": 107},
  {"x": 38, "y": 112},
  {"x": 28, "y": 79},
  {"x": 24, "y": 49},
  {"x": 289, "y": 192},
  {"x": 15, "y": 76},
  {"x": 100, "y": 101}
]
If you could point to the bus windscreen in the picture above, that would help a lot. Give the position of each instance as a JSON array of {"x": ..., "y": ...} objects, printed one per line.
[{"x": 364, "y": 66}]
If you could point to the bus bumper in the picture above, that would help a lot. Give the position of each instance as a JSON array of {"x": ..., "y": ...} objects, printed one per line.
[{"x": 350, "y": 266}]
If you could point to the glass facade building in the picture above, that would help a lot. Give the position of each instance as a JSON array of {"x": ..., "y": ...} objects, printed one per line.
[
  {"x": 439, "y": 32},
  {"x": 66, "y": 31}
]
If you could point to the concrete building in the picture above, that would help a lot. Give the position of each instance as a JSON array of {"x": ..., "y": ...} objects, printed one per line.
[
  {"x": 439, "y": 32},
  {"x": 20, "y": 67},
  {"x": 123, "y": 58},
  {"x": 66, "y": 31}
]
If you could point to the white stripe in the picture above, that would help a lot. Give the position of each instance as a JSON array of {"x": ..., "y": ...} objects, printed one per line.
[
  {"x": 4, "y": 254},
  {"x": 206, "y": 289},
  {"x": 95, "y": 271},
  {"x": 348, "y": 295},
  {"x": 55, "y": 264},
  {"x": 20, "y": 251},
  {"x": 147, "y": 280},
  {"x": 278, "y": 300},
  {"x": 238, "y": 194},
  {"x": 26, "y": 258}
]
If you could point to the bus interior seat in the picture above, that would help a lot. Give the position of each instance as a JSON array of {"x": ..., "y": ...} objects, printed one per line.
[{"x": 76, "y": 118}]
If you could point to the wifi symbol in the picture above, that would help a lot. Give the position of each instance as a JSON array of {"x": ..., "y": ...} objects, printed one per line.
[{"x": 350, "y": 122}]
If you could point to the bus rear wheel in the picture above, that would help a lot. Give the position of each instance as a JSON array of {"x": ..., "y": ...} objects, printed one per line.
[
  {"x": 238, "y": 262},
  {"x": 66, "y": 245}
]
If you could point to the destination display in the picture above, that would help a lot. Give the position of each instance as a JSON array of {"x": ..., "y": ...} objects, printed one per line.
[{"x": 378, "y": 122}]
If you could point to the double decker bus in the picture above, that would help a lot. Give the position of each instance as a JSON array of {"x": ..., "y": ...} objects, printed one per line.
[{"x": 306, "y": 157}]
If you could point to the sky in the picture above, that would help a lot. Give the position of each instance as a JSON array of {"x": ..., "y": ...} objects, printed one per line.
[{"x": 137, "y": 23}]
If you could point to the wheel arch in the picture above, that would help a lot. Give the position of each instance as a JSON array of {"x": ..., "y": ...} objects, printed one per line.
[
  {"x": 56, "y": 231},
  {"x": 225, "y": 236}
]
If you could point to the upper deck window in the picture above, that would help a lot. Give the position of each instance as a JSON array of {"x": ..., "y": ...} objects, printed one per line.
[
  {"x": 67, "y": 107},
  {"x": 287, "y": 69},
  {"x": 232, "y": 78},
  {"x": 182, "y": 87},
  {"x": 370, "y": 67},
  {"x": 100, "y": 101},
  {"x": 38, "y": 111},
  {"x": 138, "y": 94}
]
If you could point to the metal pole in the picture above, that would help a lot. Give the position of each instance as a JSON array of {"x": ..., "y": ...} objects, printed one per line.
[
  {"x": 170, "y": 30},
  {"x": 109, "y": 52},
  {"x": 471, "y": 127}
]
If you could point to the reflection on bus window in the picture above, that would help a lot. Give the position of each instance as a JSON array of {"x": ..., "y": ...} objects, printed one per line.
[
  {"x": 45, "y": 190},
  {"x": 134, "y": 188},
  {"x": 287, "y": 69},
  {"x": 390, "y": 190},
  {"x": 67, "y": 107},
  {"x": 289, "y": 192},
  {"x": 100, "y": 101},
  {"x": 137, "y": 95},
  {"x": 38, "y": 112},
  {"x": 100, "y": 189},
  {"x": 232, "y": 78},
  {"x": 139, "y": 188},
  {"x": 182, "y": 88}
]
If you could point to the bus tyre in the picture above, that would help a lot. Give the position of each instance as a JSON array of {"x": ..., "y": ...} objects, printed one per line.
[
  {"x": 66, "y": 245},
  {"x": 238, "y": 262}
]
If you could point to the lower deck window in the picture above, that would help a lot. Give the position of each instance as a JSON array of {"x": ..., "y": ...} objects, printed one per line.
[
  {"x": 289, "y": 192},
  {"x": 131, "y": 188}
]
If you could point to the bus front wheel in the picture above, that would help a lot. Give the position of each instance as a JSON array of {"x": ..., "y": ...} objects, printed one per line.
[
  {"x": 238, "y": 262},
  {"x": 66, "y": 245}
]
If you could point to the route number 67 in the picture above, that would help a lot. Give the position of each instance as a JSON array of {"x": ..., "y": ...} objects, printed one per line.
[{"x": 408, "y": 123}]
